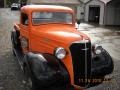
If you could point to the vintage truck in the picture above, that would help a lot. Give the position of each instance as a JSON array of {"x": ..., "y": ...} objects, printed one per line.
[{"x": 53, "y": 54}]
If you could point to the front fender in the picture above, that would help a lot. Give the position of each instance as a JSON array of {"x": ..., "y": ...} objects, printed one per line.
[
  {"x": 102, "y": 64},
  {"x": 47, "y": 70}
]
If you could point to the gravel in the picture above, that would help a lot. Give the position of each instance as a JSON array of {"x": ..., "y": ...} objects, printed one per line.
[{"x": 11, "y": 76}]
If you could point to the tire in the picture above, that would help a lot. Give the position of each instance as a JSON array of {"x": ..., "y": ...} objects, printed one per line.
[
  {"x": 13, "y": 40},
  {"x": 29, "y": 80},
  {"x": 111, "y": 66},
  {"x": 13, "y": 53},
  {"x": 98, "y": 75},
  {"x": 13, "y": 45}
]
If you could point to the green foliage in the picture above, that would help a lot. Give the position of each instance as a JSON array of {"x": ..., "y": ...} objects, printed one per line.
[
  {"x": 9, "y": 2},
  {"x": 24, "y": 1}
]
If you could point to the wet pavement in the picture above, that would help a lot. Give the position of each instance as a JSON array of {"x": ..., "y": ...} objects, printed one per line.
[
  {"x": 109, "y": 38},
  {"x": 11, "y": 76}
]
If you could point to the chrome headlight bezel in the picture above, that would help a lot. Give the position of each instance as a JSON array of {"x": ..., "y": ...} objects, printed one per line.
[
  {"x": 97, "y": 49},
  {"x": 60, "y": 53}
]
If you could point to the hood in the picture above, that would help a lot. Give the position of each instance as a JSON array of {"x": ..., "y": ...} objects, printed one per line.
[{"x": 65, "y": 34}]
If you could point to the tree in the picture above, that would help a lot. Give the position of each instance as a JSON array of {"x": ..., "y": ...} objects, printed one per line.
[
  {"x": 23, "y": 2},
  {"x": 9, "y": 2}
]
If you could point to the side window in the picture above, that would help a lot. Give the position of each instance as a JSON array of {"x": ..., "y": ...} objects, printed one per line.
[{"x": 24, "y": 18}]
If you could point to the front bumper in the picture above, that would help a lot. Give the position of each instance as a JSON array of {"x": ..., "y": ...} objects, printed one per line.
[{"x": 14, "y": 8}]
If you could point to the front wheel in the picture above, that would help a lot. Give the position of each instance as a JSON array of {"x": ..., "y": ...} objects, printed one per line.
[{"x": 28, "y": 79}]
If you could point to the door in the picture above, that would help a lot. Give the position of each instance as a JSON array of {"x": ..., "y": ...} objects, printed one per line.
[{"x": 94, "y": 14}]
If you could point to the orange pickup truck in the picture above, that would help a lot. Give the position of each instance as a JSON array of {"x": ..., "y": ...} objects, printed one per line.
[{"x": 53, "y": 54}]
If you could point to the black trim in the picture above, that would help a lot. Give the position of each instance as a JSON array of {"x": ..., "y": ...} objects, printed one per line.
[
  {"x": 47, "y": 71},
  {"x": 102, "y": 64},
  {"x": 81, "y": 58}
]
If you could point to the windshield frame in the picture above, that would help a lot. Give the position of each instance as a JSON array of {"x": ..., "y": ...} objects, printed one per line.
[{"x": 51, "y": 22}]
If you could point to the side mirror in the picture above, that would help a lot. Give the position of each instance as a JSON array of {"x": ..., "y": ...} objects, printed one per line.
[{"x": 78, "y": 22}]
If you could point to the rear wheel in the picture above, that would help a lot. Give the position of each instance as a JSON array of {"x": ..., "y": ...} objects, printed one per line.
[
  {"x": 29, "y": 80},
  {"x": 14, "y": 40},
  {"x": 13, "y": 44},
  {"x": 13, "y": 52}
]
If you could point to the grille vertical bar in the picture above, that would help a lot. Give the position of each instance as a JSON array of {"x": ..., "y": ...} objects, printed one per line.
[{"x": 81, "y": 58}]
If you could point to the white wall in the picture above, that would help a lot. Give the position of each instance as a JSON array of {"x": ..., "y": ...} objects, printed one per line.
[
  {"x": 80, "y": 11},
  {"x": 117, "y": 16},
  {"x": 112, "y": 15},
  {"x": 84, "y": 1},
  {"x": 94, "y": 3}
]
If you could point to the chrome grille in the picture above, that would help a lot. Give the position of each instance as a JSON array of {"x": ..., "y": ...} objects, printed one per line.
[{"x": 81, "y": 58}]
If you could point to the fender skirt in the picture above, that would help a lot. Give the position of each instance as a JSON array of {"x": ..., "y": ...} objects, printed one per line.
[
  {"x": 102, "y": 64},
  {"x": 47, "y": 70}
]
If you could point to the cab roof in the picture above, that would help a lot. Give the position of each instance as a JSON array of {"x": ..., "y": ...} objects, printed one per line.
[{"x": 31, "y": 8}]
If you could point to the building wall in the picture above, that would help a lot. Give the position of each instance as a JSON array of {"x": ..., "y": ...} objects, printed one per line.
[
  {"x": 95, "y": 3},
  {"x": 84, "y": 1},
  {"x": 117, "y": 16},
  {"x": 112, "y": 16},
  {"x": 80, "y": 11}
]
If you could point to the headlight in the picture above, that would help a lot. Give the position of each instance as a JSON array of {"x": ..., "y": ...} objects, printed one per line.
[
  {"x": 60, "y": 53},
  {"x": 97, "y": 49}
]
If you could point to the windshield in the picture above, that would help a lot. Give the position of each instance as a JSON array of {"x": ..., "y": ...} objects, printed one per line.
[{"x": 51, "y": 17}]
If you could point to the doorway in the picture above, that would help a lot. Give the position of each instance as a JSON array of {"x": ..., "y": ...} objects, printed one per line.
[
  {"x": 94, "y": 14},
  {"x": 1, "y": 3}
]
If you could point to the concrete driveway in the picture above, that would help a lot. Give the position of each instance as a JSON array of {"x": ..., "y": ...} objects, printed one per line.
[{"x": 109, "y": 38}]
